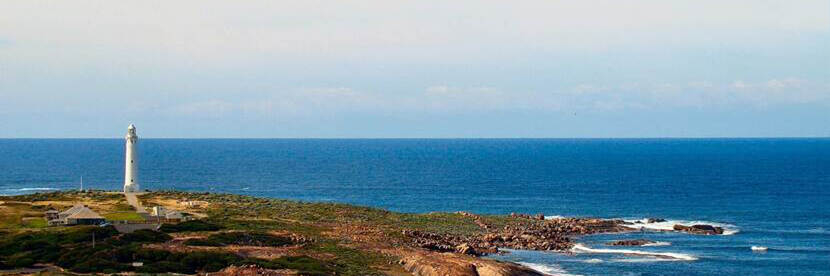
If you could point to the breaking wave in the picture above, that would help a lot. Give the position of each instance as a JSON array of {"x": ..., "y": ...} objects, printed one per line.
[
  {"x": 592, "y": 261},
  {"x": 548, "y": 269},
  {"x": 756, "y": 248},
  {"x": 666, "y": 256},
  {"x": 668, "y": 225},
  {"x": 32, "y": 189},
  {"x": 657, "y": 244}
]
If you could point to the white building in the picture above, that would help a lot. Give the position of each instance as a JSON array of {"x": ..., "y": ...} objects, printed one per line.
[
  {"x": 78, "y": 214},
  {"x": 131, "y": 168},
  {"x": 158, "y": 211},
  {"x": 174, "y": 216}
]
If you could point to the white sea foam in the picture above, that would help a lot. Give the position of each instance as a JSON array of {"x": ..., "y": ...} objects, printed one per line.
[
  {"x": 32, "y": 189},
  {"x": 548, "y": 269},
  {"x": 553, "y": 217},
  {"x": 580, "y": 248},
  {"x": 818, "y": 230},
  {"x": 758, "y": 248},
  {"x": 668, "y": 225},
  {"x": 592, "y": 261},
  {"x": 642, "y": 260},
  {"x": 657, "y": 244}
]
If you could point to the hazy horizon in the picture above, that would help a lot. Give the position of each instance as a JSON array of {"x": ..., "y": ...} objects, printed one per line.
[
  {"x": 421, "y": 138},
  {"x": 426, "y": 69}
]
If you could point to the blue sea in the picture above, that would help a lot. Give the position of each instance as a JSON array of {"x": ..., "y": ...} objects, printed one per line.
[{"x": 772, "y": 193}]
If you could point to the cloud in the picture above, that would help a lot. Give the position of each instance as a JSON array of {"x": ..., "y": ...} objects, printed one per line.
[
  {"x": 708, "y": 94},
  {"x": 788, "y": 83},
  {"x": 634, "y": 96},
  {"x": 204, "y": 109},
  {"x": 219, "y": 32},
  {"x": 739, "y": 84},
  {"x": 281, "y": 104}
]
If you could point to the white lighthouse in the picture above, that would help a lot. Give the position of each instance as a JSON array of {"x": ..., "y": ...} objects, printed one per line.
[{"x": 131, "y": 167}]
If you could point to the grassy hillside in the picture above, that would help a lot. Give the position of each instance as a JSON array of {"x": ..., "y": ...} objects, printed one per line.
[{"x": 309, "y": 238}]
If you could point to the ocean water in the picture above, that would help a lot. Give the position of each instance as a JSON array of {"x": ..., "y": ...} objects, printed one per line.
[{"x": 773, "y": 193}]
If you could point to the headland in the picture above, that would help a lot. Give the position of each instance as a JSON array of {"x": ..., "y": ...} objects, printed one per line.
[{"x": 228, "y": 234}]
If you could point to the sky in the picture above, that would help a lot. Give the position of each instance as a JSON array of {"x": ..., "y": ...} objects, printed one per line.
[{"x": 414, "y": 69}]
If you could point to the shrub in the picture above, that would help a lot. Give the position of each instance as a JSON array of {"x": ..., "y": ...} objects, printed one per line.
[
  {"x": 99, "y": 265},
  {"x": 202, "y": 242},
  {"x": 162, "y": 267},
  {"x": 189, "y": 226},
  {"x": 21, "y": 260},
  {"x": 241, "y": 238},
  {"x": 207, "y": 261},
  {"x": 151, "y": 255},
  {"x": 145, "y": 236},
  {"x": 303, "y": 264}
]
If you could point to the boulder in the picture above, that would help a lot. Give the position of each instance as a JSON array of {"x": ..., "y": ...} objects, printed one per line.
[
  {"x": 466, "y": 249},
  {"x": 639, "y": 242},
  {"x": 700, "y": 229}
]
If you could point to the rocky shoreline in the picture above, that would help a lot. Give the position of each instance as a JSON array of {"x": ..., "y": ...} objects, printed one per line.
[
  {"x": 529, "y": 233},
  {"x": 336, "y": 238},
  {"x": 534, "y": 232}
]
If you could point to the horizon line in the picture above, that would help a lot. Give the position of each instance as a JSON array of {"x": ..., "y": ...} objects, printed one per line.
[{"x": 424, "y": 138}]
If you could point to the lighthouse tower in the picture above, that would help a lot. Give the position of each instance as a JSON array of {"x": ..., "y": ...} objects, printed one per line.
[{"x": 131, "y": 168}]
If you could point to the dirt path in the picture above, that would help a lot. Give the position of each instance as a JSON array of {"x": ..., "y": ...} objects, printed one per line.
[{"x": 132, "y": 199}]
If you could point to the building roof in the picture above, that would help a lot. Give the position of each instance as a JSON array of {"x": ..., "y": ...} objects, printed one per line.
[
  {"x": 74, "y": 209},
  {"x": 85, "y": 213},
  {"x": 174, "y": 215}
]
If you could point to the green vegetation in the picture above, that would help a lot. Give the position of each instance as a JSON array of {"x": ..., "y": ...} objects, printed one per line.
[
  {"x": 324, "y": 228},
  {"x": 25, "y": 249},
  {"x": 122, "y": 207},
  {"x": 98, "y": 196},
  {"x": 72, "y": 248},
  {"x": 304, "y": 264},
  {"x": 34, "y": 223},
  {"x": 440, "y": 223},
  {"x": 350, "y": 261},
  {"x": 159, "y": 261},
  {"x": 241, "y": 238},
  {"x": 15, "y": 215},
  {"x": 124, "y": 216},
  {"x": 145, "y": 236},
  {"x": 189, "y": 226}
]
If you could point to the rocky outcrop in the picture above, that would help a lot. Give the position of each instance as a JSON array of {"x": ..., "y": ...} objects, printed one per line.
[
  {"x": 476, "y": 218},
  {"x": 441, "y": 264},
  {"x": 700, "y": 229},
  {"x": 638, "y": 242},
  {"x": 526, "y": 216},
  {"x": 253, "y": 270},
  {"x": 532, "y": 234}
]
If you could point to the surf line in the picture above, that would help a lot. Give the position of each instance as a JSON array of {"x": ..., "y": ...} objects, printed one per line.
[{"x": 580, "y": 248}]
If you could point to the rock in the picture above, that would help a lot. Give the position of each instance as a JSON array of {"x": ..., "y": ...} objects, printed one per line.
[
  {"x": 653, "y": 220},
  {"x": 253, "y": 270},
  {"x": 701, "y": 229},
  {"x": 639, "y": 242},
  {"x": 466, "y": 249},
  {"x": 530, "y": 234},
  {"x": 441, "y": 264}
]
